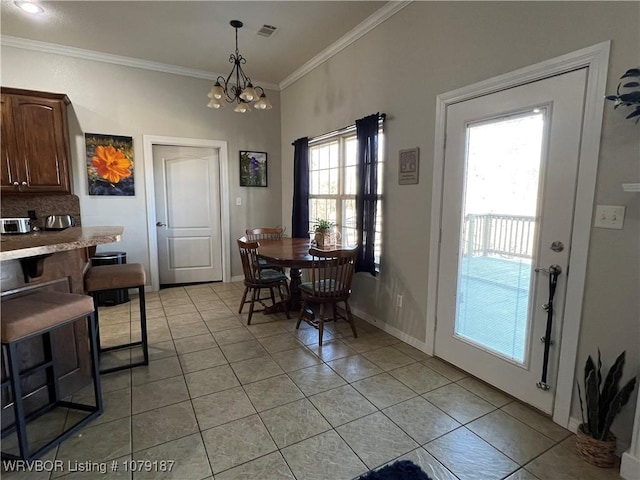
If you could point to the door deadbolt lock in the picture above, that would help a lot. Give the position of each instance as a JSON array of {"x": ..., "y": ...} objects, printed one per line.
[{"x": 557, "y": 246}]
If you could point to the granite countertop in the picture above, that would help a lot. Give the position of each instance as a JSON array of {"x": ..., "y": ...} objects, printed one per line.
[{"x": 45, "y": 242}]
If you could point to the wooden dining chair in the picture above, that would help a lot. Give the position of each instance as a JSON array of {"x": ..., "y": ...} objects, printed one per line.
[
  {"x": 331, "y": 275},
  {"x": 257, "y": 279},
  {"x": 265, "y": 233}
]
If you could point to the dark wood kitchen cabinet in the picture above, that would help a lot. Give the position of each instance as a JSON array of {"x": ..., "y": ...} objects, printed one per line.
[{"x": 35, "y": 142}]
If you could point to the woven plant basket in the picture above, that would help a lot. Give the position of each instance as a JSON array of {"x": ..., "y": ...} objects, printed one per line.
[{"x": 600, "y": 453}]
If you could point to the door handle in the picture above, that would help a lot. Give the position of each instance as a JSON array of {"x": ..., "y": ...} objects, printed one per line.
[
  {"x": 554, "y": 272},
  {"x": 160, "y": 224},
  {"x": 553, "y": 269}
]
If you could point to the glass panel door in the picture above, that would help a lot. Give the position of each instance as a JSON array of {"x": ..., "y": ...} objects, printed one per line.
[
  {"x": 499, "y": 218},
  {"x": 509, "y": 175}
]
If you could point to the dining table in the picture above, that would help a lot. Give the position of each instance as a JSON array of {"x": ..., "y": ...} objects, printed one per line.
[{"x": 291, "y": 253}]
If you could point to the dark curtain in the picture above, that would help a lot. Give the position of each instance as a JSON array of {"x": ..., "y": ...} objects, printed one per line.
[
  {"x": 367, "y": 191},
  {"x": 300, "y": 215}
]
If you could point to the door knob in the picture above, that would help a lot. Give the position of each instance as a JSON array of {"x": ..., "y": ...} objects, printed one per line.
[{"x": 160, "y": 224}]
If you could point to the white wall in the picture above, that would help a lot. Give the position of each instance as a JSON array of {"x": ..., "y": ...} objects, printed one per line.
[
  {"x": 429, "y": 48},
  {"x": 111, "y": 99}
]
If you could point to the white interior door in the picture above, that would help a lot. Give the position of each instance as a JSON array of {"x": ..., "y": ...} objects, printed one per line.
[
  {"x": 187, "y": 197},
  {"x": 511, "y": 164}
]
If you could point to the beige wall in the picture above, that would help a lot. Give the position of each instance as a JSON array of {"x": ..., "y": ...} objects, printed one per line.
[
  {"x": 430, "y": 48},
  {"x": 119, "y": 100}
]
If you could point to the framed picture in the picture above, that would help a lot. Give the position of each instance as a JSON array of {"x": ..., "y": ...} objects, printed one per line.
[
  {"x": 409, "y": 166},
  {"x": 109, "y": 164},
  {"x": 253, "y": 169}
]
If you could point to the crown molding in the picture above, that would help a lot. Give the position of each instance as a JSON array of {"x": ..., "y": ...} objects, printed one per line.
[
  {"x": 380, "y": 16},
  {"x": 53, "y": 48}
]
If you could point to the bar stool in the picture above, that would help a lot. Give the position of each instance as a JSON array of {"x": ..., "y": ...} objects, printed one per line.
[
  {"x": 111, "y": 277},
  {"x": 40, "y": 314}
]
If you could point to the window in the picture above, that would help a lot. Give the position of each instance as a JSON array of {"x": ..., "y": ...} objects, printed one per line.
[{"x": 332, "y": 184}]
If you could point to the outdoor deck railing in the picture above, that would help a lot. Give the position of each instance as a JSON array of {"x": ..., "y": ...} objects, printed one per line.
[{"x": 500, "y": 235}]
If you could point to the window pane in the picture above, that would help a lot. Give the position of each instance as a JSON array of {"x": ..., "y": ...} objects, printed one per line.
[
  {"x": 333, "y": 181},
  {"x": 315, "y": 159},
  {"x": 349, "y": 213},
  {"x": 350, "y": 146},
  {"x": 499, "y": 222},
  {"x": 314, "y": 188},
  {"x": 350, "y": 180},
  {"x": 324, "y": 181},
  {"x": 334, "y": 156}
]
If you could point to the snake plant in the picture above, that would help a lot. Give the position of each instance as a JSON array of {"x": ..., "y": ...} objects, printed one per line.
[
  {"x": 627, "y": 97},
  {"x": 603, "y": 402}
]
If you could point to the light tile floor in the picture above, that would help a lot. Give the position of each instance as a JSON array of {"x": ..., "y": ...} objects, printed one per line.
[{"x": 224, "y": 400}]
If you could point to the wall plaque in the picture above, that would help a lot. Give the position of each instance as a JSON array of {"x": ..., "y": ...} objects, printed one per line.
[{"x": 409, "y": 166}]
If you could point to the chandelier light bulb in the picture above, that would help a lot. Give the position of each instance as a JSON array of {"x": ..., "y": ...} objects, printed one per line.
[
  {"x": 217, "y": 91},
  {"x": 263, "y": 103},
  {"x": 249, "y": 93},
  {"x": 242, "y": 108},
  {"x": 215, "y": 103}
]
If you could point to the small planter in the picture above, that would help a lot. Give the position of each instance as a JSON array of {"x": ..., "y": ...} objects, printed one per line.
[
  {"x": 600, "y": 453},
  {"x": 321, "y": 239}
]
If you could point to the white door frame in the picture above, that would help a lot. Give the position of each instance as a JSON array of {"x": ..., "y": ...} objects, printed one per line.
[
  {"x": 596, "y": 59},
  {"x": 149, "y": 141}
]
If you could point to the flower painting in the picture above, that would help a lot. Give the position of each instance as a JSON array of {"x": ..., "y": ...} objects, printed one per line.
[
  {"x": 109, "y": 164},
  {"x": 253, "y": 169}
]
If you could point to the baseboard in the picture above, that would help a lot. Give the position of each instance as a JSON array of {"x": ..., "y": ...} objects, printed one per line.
[
  {"x": 574, "y": 423},
  {"x": 630, "y": 467},
  {"x": 621, "y": 447},
  {"x": 390, "y": 330},
  {"x": 237, "y": 278}
]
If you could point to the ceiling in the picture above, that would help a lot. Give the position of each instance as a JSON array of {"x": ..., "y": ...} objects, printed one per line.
[{"x": 194, "y": 34}]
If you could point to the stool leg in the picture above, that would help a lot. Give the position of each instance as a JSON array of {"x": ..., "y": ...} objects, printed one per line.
[
  {"x": 92, "y": 324},
  {"x": 143, "y": 324},
  {"x": 95, "y": 310},
  {"x": 51, "y": 371},
  {"x": 18, "y": 405}
]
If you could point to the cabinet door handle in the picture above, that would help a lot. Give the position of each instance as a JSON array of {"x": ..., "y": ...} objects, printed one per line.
[
  {"x": 16, "y": 183},
  {"x": 24, "y": 183}
]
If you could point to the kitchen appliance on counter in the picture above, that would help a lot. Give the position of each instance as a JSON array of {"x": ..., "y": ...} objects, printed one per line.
[
  {"x": 59, "y": 222},
  {"x": 15, "y": 225}
]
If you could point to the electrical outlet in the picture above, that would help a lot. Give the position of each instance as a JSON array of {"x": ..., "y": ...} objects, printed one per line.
[
  {"x": 609, "y": 216},
  {"x": 238, "y": 200},
  {"x": 399, "y": 299}
]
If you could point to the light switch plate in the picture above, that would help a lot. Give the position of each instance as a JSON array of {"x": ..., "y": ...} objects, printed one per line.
[
  {"x": 238, "y": 200},
  {"x": 609, "y": 216}
]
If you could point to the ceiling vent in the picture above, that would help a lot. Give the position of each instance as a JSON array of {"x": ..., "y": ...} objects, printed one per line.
[{"x": 266, "y": 30}]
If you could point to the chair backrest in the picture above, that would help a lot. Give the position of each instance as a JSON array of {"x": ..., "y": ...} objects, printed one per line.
[
  {"x": 264, "y": 233},
  {"x": 332, "y": 271},
  {"x": 249, "y": 256}
]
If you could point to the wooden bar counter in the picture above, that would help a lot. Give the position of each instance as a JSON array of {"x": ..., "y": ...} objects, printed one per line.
[{"x": 54, "y": 261}]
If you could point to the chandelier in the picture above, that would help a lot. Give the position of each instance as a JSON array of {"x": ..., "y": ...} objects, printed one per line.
[{"x": 242, "y": 92}]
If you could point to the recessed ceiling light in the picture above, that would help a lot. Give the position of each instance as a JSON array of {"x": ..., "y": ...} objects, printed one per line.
[{"x": 29, "y": 7}]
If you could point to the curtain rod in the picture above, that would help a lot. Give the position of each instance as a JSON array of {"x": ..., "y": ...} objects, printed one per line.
[{"x": 342, "y": 130}]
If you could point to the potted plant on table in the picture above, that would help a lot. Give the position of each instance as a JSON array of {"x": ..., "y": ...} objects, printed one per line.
[
  {"x": 322, "y": 229},
  {"x": 602, "y": 402}
]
